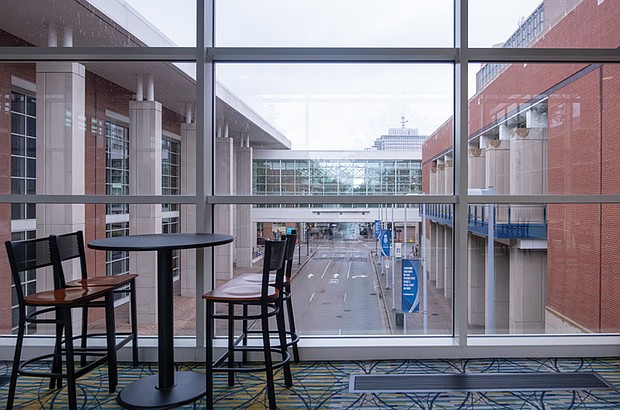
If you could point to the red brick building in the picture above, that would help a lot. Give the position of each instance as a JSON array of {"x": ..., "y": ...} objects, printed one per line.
[{"x": 579, "y": 105}]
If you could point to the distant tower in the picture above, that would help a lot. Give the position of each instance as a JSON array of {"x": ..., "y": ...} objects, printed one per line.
[{"x": 402, "y": 138}]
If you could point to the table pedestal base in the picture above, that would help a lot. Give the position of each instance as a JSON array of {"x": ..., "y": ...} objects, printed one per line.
[{"x": 143, "y": 393}]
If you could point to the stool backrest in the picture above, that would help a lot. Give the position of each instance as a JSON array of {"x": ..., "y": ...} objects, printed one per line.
[
  {"x": 275, "y": 251},
  {"x": 71, "y": 246},
  {"x": 290, "y": 252},
  {"x": 30, "y": 254}
]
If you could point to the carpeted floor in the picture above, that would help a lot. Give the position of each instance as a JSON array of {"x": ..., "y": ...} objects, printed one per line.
[{"x": 325, "y": 385}]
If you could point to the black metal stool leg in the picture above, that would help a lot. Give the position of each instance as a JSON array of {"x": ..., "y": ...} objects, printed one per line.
[
  {"x": 288, "y": 379},
  {"x": 271, "y": 394},
  {"x": 70, "y": 359},
  {"x": 231, "y": 344},
  {"x": 16, "y": 358},
  {"x": 291, "y": 325},
  {"x": 134, "y": 322},
  {"x": 244, "y": 333},
  {"x": 56, "y": 382},
  {"x": 111, "y": 342},
  {"x": 209, "y": 355},
  {"x": 84, "y": 338}
]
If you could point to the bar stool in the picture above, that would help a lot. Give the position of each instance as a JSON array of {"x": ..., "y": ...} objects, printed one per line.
[
  {"x": 293, "y": 337},
  {"x": 269, "y": 299},
  {"x": 71, "y": 246},
  {"x": 54, "y": 307}
]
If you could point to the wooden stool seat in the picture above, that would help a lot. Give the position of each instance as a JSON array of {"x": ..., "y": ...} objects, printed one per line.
[
  {"x": 111, "y": 280},
  {"x": 66, "y": 296}
]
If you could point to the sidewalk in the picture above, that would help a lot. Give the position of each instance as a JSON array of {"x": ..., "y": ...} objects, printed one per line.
[{"x": 439, "y": 315}]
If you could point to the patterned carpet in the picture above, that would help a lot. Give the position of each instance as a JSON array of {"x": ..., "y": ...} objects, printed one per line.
[{"x": 325, "y": 385}]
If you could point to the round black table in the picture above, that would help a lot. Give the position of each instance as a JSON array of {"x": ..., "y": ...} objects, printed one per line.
[{"x": 168, "y": 388}]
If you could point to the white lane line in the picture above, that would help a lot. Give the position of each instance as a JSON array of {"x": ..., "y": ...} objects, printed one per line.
[
  {"x": 339, "y": 332},
  {"x": 345, "y": 297},
  {"x": 311, "y": 297},
  {"x": 349, "y": 270},
  {"x": 323, "y": 275}
]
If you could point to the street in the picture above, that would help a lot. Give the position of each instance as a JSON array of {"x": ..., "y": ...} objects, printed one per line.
[{"x": 337, "y": 292}]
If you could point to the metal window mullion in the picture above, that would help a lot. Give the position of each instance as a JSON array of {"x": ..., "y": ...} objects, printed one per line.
[
  {"x": 331, "y": 199},
  {"x": 205, "y": 105},
  {"x": 459, "y": 229}
]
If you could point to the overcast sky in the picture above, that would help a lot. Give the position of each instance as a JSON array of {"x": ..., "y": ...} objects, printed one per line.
[{"x": 340, "y": 106}]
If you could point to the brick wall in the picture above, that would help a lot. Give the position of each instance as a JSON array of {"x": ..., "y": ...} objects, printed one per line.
[{"x": 583, "y": 278}]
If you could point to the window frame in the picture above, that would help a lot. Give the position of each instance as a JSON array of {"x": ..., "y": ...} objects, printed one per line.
[{"x": 205, "y": 56}]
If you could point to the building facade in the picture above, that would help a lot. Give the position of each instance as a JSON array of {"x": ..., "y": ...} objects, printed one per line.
[{"x": 538, "y": 129}]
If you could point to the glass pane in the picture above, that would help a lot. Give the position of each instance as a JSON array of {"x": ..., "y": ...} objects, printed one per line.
[
  {"x": 18, "y": 145},
  {"x": 346, "y": 280},
  {"x": 537, "y": 129},
  {"x": 544, "y": 24},
  {"x": 551, "y": 269},
  {"x": 341, "y": 129},
  {"x": 134, "y": 23},
  {"x": 324, "y": 23}
]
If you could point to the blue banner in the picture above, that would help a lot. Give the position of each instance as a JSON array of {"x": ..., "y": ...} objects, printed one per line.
[
  {"x": 411, "y": 289},
  {"x": 386, "y": 243},
  {"x": 377, "y": 228}
]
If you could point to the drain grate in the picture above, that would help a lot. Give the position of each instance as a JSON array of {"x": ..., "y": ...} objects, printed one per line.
[{"x": 405, "y": 383}]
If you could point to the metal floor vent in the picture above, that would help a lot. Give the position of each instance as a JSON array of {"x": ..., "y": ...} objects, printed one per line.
[{"x": 449, "y": 382}]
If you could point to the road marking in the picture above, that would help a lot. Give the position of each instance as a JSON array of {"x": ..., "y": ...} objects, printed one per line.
[
  {"x": 339, "y": 332},
  {"x": 310, "y": 275},
  {"x": 345, "y": 297},
  {"x": 359, "y": 276},
  {"x": 323, "y": 275},
  {"x": 349, "y": 270},
  {"x": 311, "y": 297}
]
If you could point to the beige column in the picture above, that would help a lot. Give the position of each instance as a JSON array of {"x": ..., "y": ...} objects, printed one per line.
[
  {"x": 245, "y": 229},
  {"x": 223, "y": 214},
  {"x": 528, "y": 269},
  {"x": 497, "y": 175},
  {"x": 447, "y": 239},
  {"x": 475, "y": 279},
  {"x": 188, "y": 212},
  {"x": 476, "y": 245},
  {"x": 60, "y": 163},
  {"x": 501, "y": 281},
  {"x": 528, "y": 258},
  {"x": 432, "y": 231},
  {"x": 145, "y": 133}
]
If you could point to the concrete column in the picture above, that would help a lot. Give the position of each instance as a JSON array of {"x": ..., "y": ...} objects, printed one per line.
[
  {"x": 145, "y": 134},
  {"x": 448, "y": 258},
  {"x": 476, "y": 167},
  {"x": 528, "y": 168},
  {"x": 188, "y": 212},
  {"x": 497, "y": 171},
  {"x": 223, "y": 221},
  {"x": 431, "y": 251},
  {"x": 60, "y": 152},
  {"x": 245, "y": 230},
  {"x": 528, "y": 270},
  {"x": 475, "y": 280},
  {"x": 441, "y": 177},
  {"x": 448, "y": 175},
  {"x": 501, "y": 281},
  {"x": 440, "y": 256}
]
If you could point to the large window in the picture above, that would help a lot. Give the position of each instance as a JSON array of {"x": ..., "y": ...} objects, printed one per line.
[
  {"x": 482, "y": 135},
  {"x": 23, "y": 153}
]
